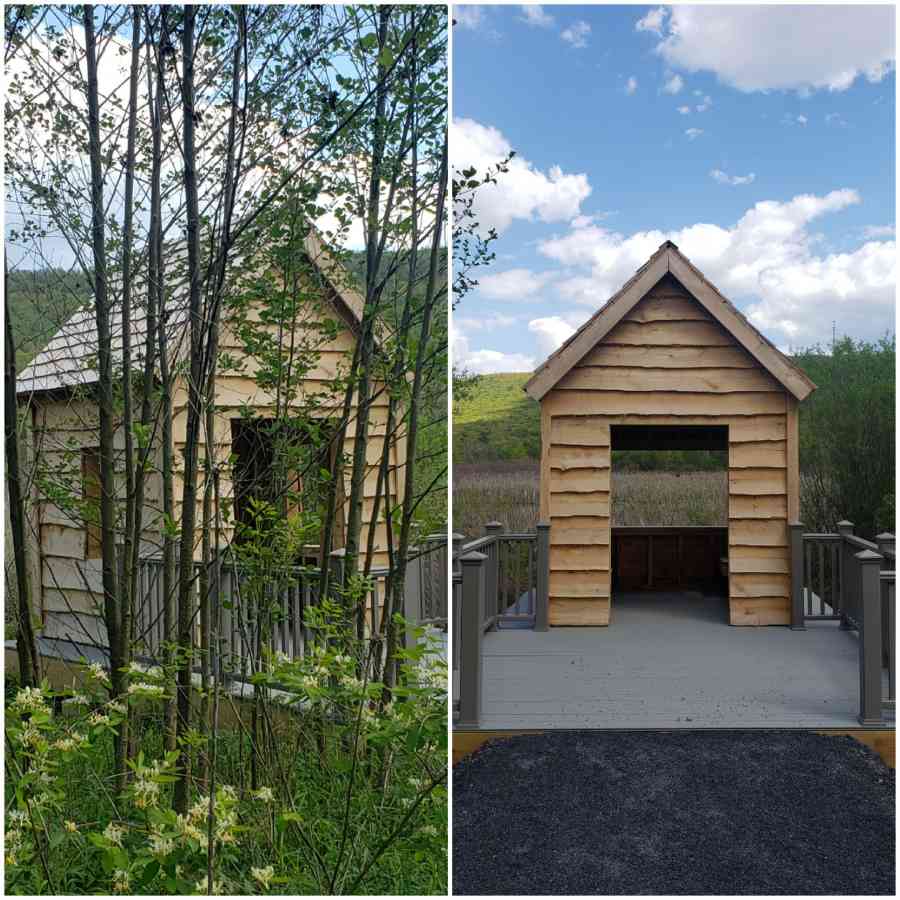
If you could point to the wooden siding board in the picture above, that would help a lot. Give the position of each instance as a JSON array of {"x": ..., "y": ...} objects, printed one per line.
[
  {"x": 671, "y": 334},
  {"x": 579, "y": 611},
  {"x": 699, "y": 381},
  {"x": 607, "y": 403},
  {"x": 661, "y": 356}
]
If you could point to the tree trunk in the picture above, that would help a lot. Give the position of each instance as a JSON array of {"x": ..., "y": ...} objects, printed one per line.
[
  {"x": 111, "y": 597},
  {"x": 26, "y": 643},
  {"x": 194, "y": 414},
  {"x": 398, "y": 581}
]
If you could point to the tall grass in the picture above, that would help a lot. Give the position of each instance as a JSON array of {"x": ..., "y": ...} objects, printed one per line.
[{"x": 508, "y": 492}]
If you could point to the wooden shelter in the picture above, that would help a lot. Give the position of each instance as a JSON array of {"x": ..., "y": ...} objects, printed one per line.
[
  {"x": 58, "y": 391},
  {"x": 669, "y": 363}
]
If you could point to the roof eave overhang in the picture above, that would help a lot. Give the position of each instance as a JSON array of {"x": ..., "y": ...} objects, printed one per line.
[{"x": 668, "y": 259}]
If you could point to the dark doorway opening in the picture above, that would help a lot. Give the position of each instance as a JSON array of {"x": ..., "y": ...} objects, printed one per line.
[
  {"x": 669, "y": 511},
  {"x": 291, "y": 468}
]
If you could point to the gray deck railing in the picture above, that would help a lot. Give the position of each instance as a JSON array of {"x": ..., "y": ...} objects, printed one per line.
[
  {"x": 426, "y": 582},
  {"x": 502, "y": 580},
  {"x": 847, "y": 578},
  {"x": 276, "y": 613}
]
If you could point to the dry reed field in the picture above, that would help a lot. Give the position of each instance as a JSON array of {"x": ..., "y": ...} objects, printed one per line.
[{"x": 507, "y": 492}]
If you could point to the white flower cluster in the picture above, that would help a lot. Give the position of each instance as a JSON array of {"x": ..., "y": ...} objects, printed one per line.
[
  {"x": 194, "y": 825},
  {"x": 114, "y": 833},
  {"x": 264, "y": 876},
  {"x": 265, "y": 794},
  {"x": 121, "y": 881},
  {"x": 77, "y": 700},
  {"x": 159, "y": 845},
  {"x": 202, "y": 886},
  {"x": 12, "y": 844},
  {"x": 98, "y": 673},
  {"x": 29, "y": 699},
  {"x": 148, "y": 691}
]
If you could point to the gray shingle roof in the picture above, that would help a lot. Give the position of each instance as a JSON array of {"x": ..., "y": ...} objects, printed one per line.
[{"x": 70, "y": 358}]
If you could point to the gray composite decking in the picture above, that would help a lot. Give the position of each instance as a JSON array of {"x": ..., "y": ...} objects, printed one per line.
[{"x": 670, "y": 660}]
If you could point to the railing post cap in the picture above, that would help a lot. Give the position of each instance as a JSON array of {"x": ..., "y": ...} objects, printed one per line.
[
  {"x": 543, "y": 524},
  {"x": 844, "y": 524},
  {"x": 456, "y": 536},
  {"x": 472, "y": 558},
  {"x": 868, "y": 556},
  {"x": 340, "y": 552},
  {"x": 493, "y": 526},
  {"x": 795, "y": 525},
  {"x": 885, "y": 536}
]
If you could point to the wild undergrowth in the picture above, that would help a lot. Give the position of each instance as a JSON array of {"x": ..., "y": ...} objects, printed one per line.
[
  {"x": 509, "y": 493},
  {"x": 335, "y": 791}
]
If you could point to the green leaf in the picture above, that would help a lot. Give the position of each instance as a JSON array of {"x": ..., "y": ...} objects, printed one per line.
[
  {"x": 150, "y": 872},
  {"x": 386, "y": 58}
]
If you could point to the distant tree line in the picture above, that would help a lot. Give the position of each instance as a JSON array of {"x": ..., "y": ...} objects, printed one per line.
[{"x": 847, "y": 441}]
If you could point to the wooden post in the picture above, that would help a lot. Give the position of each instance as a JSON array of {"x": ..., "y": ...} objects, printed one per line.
[
  {"x": 336, "y": 572},
  {"x": 412, "y": 601},
  {"x": 492, "y": 569},
  {"x": 457, "y": 540},
  {"x": 870, "y": 638},
  {"x": 542, "y": 587},
  {"x": 844, "y": 552},
  {"x": 798, "y": 605},
  {"x": 886, "y": 542},
  {"x": 471, "y": 620}
]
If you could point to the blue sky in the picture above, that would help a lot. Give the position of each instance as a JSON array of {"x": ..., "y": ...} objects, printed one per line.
[{"x": 760, "y": 139}]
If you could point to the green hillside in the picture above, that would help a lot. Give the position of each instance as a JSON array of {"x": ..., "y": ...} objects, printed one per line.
[
  {"x": 497, "y": 421},
  {"x": 40, "y": 302}
]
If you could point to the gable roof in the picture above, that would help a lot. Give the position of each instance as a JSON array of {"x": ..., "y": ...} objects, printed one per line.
[
  {"x": 69, "y": 359},
  {"x": 669, "y": 259}
]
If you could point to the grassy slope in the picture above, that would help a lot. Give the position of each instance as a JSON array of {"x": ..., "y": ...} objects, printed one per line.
[
  {"x": 39, "y": 303},
  {"x": 499, "y": 421}
]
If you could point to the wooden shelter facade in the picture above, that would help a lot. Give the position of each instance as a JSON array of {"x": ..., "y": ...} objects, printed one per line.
[
  {"x": 57, "y": 389},
  {"x": 667, "y": 363}
]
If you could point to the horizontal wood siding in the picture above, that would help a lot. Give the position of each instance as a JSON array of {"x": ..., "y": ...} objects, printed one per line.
[{"x": 668, "y": 362}]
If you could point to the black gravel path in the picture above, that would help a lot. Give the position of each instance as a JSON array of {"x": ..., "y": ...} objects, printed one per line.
[{"x": 690, "y": 813}]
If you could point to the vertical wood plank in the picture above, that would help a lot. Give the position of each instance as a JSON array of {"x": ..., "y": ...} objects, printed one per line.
[{"x": 793, "y": 459}]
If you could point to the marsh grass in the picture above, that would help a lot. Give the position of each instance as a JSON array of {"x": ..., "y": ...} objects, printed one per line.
[{"x": 508, "y": 492}]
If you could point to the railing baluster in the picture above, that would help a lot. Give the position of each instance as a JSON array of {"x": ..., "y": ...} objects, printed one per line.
[
  {"x": 820, "y": 559},
  {"x": 807, "y": 580}
]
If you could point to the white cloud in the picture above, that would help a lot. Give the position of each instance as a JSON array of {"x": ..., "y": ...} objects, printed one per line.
[
  {"x": 725, "y": 178},
  {"x": 781, "y": 47},
  {"x": 513, "y": 284},
  {"x": 484, "y": 323},
  {"x": 673, "y": 85},
  {"x": 550, "y": 332},
  {"x": 767, "y": 262},
  {"x": 684, "y": 110},
  {"x": 693, "y": 133},
  {"x": 653, "y": 21},
  {"x": 836, "y": 120},
  {"x": 524, "y": 192},
  {"x": 705, "y": 105},
  {"x": 576, "y": 34},
  {"x": 471, "y": 17},
  {"x": 631, "y": 85},
  {"x": 879, "y": 231},
  {"x": 535, "y": 15},
  {"x": 488, "y": 362},
  {"x": 791, "y": 119}
]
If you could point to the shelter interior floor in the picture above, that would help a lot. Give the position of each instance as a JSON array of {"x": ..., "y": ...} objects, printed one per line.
[{"x": 670, "y": 660}]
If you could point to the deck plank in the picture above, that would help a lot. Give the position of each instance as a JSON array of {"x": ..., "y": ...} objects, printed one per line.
[{"x": 670, "y": 660}]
